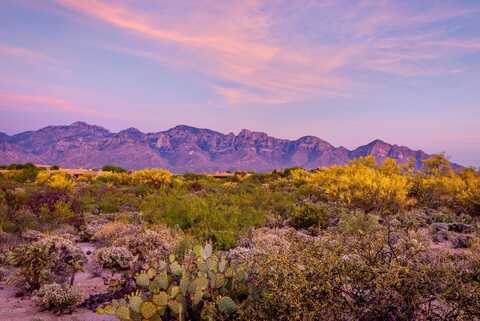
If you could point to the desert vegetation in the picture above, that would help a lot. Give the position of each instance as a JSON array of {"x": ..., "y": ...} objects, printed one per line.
[{"x": 363, "y": 241}]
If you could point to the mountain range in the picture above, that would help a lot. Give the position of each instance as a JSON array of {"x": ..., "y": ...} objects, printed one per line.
[{"x": 184, "y": 149}]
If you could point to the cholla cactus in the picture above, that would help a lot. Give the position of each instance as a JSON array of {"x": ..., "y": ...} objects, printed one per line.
[
  {"x": 59, "y": 298},
  {"x": 52, "y": 257},
  {"x": 114, "y": 257},
  {"x": 204, "y": 286},
  {"x": 150, "y": 246}
]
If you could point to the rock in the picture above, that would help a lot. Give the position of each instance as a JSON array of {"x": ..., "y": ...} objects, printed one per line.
[
  {"x": 440, "y": 236},
  {"x": 436, "y": 227},
  {"x": 96, "y": 300},
  {"x": 460, "y": 228},
  {"x": 462, "y": 242}
]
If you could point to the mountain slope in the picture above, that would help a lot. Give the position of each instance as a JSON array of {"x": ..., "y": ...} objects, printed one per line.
[
  {"x": 382, "y": 150},
  {"x": 183, "y": 148}
]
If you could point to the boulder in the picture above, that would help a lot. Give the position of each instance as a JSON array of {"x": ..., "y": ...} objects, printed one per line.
[
  {"x": 462, "y": 241},
  {"x": 436, "y": 227},
  {"x": 460, "y": 228},
  {"x": 440, "y": 236}
]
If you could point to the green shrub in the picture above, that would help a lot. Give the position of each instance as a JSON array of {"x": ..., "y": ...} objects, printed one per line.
[
  {"x": 23, "y": 175},
  {"x": 113, "y": 169},
  {"x": 63, "y": 212},
  {"x": 220, "y": 217},
  {"x": 48, "y": 199},
  {"x": 308, "y": 215}
]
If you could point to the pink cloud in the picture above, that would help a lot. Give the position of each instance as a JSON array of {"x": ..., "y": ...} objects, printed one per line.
[
  {"x": 234, "y": 45},
  {"x": 22, "y": 53},
  {"x": 28, "y": 102},
  {"x": 21, "y": 101},
  {"x": 240, "y": 43}
]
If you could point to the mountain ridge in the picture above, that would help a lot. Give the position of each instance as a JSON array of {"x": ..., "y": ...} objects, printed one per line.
[{"x": 184, "y": 148}]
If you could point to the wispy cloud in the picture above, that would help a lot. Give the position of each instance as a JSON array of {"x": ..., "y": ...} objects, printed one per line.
[
  {"x": 257, "y": 52},
  {"x": 13, "y": 101},
  {"x": 22, "y": 101},
  {"x": 23, "y": 53},
  {"x": 231, "y": 44}
]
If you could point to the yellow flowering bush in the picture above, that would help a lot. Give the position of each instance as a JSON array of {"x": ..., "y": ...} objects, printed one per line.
[
  {"x": 116, "y": 178},
  {"x": 56, "y": 180},
  {"x": 299, "y": 175},
  {"x": 154, "y": 177},
  {"x": 438, "y": 185},
  {"x": 361, "y": 185},
  {"x": 438, "y": 191}
]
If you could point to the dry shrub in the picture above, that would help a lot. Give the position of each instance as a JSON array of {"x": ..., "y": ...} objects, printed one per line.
[
  {"x": 378, "y": 275},
  {"x": 275, "y": 240},
  {"x": 90, "y": 227},
  {"x": 67, "y": 232},
  {"x": 110, "y": 232},
  {"x": 32, "y": 235},
  {"x": 6, "y": 240}
]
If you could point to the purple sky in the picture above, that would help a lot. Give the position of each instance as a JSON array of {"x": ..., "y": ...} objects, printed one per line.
[{"x": 404, "y": 71}]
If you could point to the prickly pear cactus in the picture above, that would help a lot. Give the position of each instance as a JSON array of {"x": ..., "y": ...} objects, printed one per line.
[
  {"x": 203, "y": 286},
  {"x": 148, "y": 309},
  {"x": 226, "y": 305},
  {"x": 135, "y": 300},
  {"x": 123, "y": 313},
  {"x": 142, "y": 280}
]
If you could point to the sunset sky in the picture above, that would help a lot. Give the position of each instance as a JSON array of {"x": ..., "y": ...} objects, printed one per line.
[{"x": 407, "y": 72}]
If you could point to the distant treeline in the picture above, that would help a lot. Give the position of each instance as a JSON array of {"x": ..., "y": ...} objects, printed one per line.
[{"x": 18, "y": 166}]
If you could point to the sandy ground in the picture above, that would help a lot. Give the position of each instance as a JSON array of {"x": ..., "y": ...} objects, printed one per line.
[{"x": 24, "y": 309}]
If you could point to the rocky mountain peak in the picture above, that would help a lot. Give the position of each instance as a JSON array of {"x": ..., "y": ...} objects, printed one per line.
[
  {"x": 79, "y": 124},
  {"x": 131, "y": 132},
  {"x": 312, "y": 140},
  {"x": 183, "y": 148},
  {"x": 251, "y": 135}
]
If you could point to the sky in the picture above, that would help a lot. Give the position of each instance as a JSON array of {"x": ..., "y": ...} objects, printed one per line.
[{"x": 349, "y": 72}]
